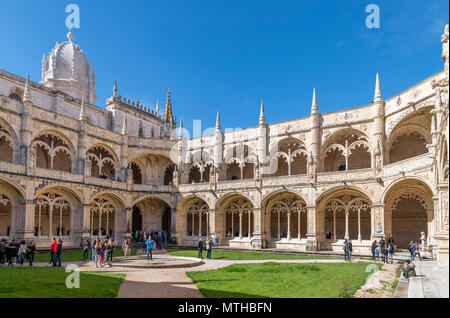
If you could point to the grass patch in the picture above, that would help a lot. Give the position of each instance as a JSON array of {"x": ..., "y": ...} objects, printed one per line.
[
  {"x": 282, "y": 280},
  {"x": 48, "y": 282},
  {"x": 76, "y": 256},
  {"x": 241, "y": 255}
]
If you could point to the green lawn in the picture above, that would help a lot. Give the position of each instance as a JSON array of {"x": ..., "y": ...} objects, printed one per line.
[
  {"x": 231, "y": 255},
  {"x": 76, "y": 256},
  {"x": 278, "y": 280},
  {"x": 50, "y": 282}
]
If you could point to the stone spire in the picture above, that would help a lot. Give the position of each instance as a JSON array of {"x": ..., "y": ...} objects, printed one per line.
[
  {"x": 168, "y": 113},
  {"x": 124, "y": 127},
  {"x": 314, "y": 106},
  {"x": 262, "y": 116},
  {"x": 181, "y": 130},
  {"x": 115, "y": 88},
  {"x": 218, "y": 123},
  {"x": 378, "y": 96},
  {"x": 26, "y": 92},
  {"x": 82, "y": 110},
  {"x": 157, "y": 108}
]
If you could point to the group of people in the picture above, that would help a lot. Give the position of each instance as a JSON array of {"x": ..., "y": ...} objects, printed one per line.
[
  {"x": 16, "y": 252},
  {"x": 141, "y": 236},
  {"x": 208, "y": 245},
  {"x": 102, "y": 251},
  {"x": 56, "y": 249},
  {"x": 383, "y": 249}
]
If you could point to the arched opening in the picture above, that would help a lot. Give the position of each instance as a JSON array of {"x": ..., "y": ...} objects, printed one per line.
[
  {"x": 103, "y": 164},
  {"x": 407, "y": 146},
  {"x": 6, "y": 150},
  {"x": 347, "y": 215},
  {"x": 15, "y": 96},
  {"x": 52, "y": 152},
  {"x": 407, "y": 212},
  {"x": 240, "y": 163},
  {"x": 197, "y": 222},
  {"x": 137, "y": 174},
  {"x": 5, "y": 216},
  {"x": 292, "y": 158},
  {"x": 239, "y": 221},
  {"x": 346, "y": 150},
  {"x": 53, "y": 215},
  {"x": 151, "y": 214},
  {"x": 103, "y": 217},
  {"x": 288, "y": 217},
  {"x": 168, "y": 175}
]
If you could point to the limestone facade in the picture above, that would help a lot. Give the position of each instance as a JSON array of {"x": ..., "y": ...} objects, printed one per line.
[{"x": 71, "y": 169}]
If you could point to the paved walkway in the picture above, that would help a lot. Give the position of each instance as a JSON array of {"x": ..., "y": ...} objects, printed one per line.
[{"x": 432, "y": 281}]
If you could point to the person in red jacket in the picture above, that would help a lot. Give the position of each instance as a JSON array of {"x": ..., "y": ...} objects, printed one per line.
[{"x": 53, "y": 249}]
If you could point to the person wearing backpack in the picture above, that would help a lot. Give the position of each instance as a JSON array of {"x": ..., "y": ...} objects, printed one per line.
[{"x": 344, "y": 247}]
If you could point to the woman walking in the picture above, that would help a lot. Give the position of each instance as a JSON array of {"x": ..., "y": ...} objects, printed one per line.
[
  {"x": 85, "y": 250},
  {"x": 110, "y": 251},
  {"x": 31, "y": 253},
  {"x": 22, "y": 252},
  {"x": 97, "y": 248}
]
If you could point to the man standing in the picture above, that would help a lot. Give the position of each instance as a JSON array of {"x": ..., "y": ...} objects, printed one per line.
[
  {"x": 410, "y": 249},
  {"x": 53, "y": 250},
  {"x": 200, "y": 248},
  {"x": 149, "y": 244},
  {"x": 209, "y": 245},
  {"x": 349, "y": 250},
  {"x": 59, "y": 252},
  {"x": 345, "y": 248},
  {"x": 2, "y": 252},
  {"x": 373, "y": 249}
]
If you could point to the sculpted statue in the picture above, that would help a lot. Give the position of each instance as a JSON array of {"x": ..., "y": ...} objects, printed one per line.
[
  {"x": 175, "y": 175},
  {"x": 444, "y": 40}
]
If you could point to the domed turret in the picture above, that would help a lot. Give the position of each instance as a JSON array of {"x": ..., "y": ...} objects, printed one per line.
[{"x": 67, "y": 69}]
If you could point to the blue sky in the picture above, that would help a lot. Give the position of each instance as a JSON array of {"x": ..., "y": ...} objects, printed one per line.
[{"x": 228, "y": 55}]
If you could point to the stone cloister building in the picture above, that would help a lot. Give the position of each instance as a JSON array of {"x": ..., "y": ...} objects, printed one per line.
[{"x": 71, "y": 169}]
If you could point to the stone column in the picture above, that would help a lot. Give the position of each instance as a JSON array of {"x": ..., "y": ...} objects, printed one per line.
[
  {"x": 86, "y": 221},
  {"x": 257, "y": 237},
  {"x": 25, "y": 228},
  {"x": 289, "y": 225},
  {"x": 347, "y": 236},
  {"x": 129, "y": 217},
  {"x": 311, "y": 234},
  {"x": 377, "y": 222},
  {"x": 240, "y": 225}
]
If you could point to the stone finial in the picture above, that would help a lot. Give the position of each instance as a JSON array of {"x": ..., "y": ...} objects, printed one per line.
[
  {"x": 27, "y": 92},
  {"x": 124, "y": 126},
  {"x": 262, "y": 116},
  {"x": 70, "y": 35},
  {"x": 218, "y": 129},
  {"x": 157, "y": 108},
  {"x": 181, "y": 130},
  {"x": 115, "y": 88},
  {"x": 314, "y": 106},
  {"x": 378, "y": 97},
  {"x": 82, "y": 110}
]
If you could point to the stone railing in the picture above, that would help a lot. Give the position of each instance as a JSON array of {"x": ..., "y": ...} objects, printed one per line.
[
  {"x": 9, "y": 167},
  {"x": 58, "y": 175},
  {"x": 108, "y": 183},
  {"x": 152, "y": 188},
  {"x": 339, "y": 176},
  {"x": 284, "y": 180},
  {"x": 411, "y": 164}
]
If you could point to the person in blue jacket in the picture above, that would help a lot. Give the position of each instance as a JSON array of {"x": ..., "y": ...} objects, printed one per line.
[{"x": 149, "y": 243}]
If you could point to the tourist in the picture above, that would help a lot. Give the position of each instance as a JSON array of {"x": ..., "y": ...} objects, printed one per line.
[
  {"x": 345, "y": 248},
  {"x": 125, "y": 247},
  {"x": 31, "y": 253},
  {"x": 209, "y": 245},
  {"x": 373, "y": 249},
  {"x": 409, "y": 270},
  {"x": 200, "y": 248},
  {"x": 53, "y": 250},
  {"x": 382, "y": 243},
  {"x": 97, "y": 253},
  {"x": 59, "y": 250},
  {"x": 110, "y": 251},
  {"x": 2, "y": 252},
  {"x": 144, "y": 243},
  {"x": 417, "y": 251},
  {"x": 22, "y": 252},
  {"x": 149, "y": 244},
  {"x": 10, "y": 253},
  {"x": 349, "y": 250},
  {"x": 17, "y": 255},
  {"x": 85, "y": 250},
  {"x": 378, "y": 251},
  {"x": 391, "y": 253},
  {"x": 384, "y": 252},
  {"x": 94, "y": 249},
  {"x": 217, "y": 240},
  {"x": 410, "y": 249}
]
